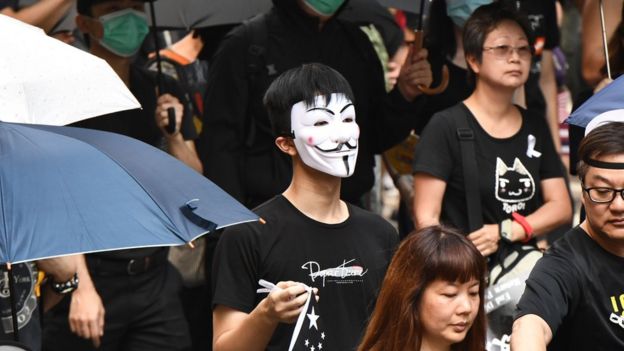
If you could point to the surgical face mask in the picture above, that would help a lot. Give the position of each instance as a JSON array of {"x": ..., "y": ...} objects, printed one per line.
[
  {"x": 326, "y": 135},
  {"x": 324, "y": 7},
  {"x": 460, "y": 10},
  {"x": 124, "y": 31}
]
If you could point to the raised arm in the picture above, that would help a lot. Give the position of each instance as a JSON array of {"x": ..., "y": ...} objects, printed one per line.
[{"x": 530, "y": 333}]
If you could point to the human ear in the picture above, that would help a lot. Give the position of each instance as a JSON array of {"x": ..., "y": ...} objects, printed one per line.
[
  {"x": 473, "y": 63},
  {"x": 90, "y": 26},
  {"x": 286, "y": 145}
]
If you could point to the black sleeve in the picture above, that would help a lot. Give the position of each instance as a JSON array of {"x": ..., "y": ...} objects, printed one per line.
[
  {"x": 234, "y": 268},
  {"x": 221, "y": 142},
  {"x": 434, "y": 154},
  {"x": 8, "y": 3},
  {"x": 551, "y": 28},
  {"x": 552, "y": 290}
]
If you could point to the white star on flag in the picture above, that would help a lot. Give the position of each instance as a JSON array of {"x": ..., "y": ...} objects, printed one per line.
[{"x": 313, "y": 317}]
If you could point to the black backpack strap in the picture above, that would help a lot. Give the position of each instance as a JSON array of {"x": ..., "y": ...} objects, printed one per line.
[
  {"x": 466, "y": 137},
  {"x": 257, "y": 32}
]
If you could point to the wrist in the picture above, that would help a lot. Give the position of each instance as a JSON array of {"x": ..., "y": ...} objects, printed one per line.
[
  {"x": 66, "y": 286},
  {"x": 526, "y": 227}
]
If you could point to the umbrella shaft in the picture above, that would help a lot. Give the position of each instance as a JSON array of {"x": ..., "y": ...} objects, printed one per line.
[
  {"x": 13, "y": 303},
  {"x": 604, "y": 39}
]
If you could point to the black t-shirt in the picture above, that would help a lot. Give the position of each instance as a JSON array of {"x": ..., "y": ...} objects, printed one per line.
[
  {"x": 9, "y": 3},
  {"x": 577, "y": 288},
  {"x": 345, "y": 261},
  {"x": 458, "y": 89},
  {"x": 510, "y": 170},
  {"x": 28, "y": 324},
  {"x": 542, "y": 16},
  {"x": 140, "y": 124}
]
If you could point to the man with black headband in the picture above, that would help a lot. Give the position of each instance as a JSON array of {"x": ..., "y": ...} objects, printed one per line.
[{"x": 574, "y": 298}]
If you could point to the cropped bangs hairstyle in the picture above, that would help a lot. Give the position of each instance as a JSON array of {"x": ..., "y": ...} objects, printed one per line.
[
  {"x": 433, "y": 253},
  {"x": 483, "y": 21},
  {"x": 303, "y": 83}
]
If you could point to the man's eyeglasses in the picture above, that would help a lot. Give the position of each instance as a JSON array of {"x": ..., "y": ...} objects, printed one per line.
[
  {"x": 505, "y": 51},
  {"x": 603, "y": 195}
]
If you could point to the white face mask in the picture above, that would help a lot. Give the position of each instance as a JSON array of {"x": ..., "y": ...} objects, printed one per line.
[{"x": 326, "y": 135}]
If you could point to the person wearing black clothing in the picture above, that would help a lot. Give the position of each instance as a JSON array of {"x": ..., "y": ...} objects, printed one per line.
[
  {"x": 44, "y": 13},
  {"x": 127, "y": 299},
  {"x": 574, "y": 297},
  {"x": 311, "y": 236},
  {"x": 236, "y": 143}
]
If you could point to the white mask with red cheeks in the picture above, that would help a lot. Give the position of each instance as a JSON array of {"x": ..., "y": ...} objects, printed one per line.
[{"x": 326, "y": 135}]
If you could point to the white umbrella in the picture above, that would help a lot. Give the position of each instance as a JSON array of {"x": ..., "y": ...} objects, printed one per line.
[{"x": 44, "y": 81}]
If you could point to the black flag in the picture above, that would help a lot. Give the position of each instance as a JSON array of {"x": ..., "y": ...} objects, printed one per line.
[{"x": 309, "y": 333}]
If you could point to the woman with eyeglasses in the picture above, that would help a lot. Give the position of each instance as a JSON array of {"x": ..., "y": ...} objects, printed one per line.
[{"x": 519, "y": 182}]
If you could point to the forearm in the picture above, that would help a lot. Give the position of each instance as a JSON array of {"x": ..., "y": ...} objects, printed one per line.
[
  {"x": 530, "y": 333},
  {"x": 252, "y": 333},
  {"x": 184, "y": 151},
  {"x": 44, "y": 13},
  {"x": 548, "y": 86},
  {"x": 556, "y": 211}
]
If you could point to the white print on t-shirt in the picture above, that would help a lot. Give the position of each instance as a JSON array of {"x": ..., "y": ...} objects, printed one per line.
[
  {"x": 619, "y": 320},
  {"x": 342, "y": 274},
  {"x": 513, "y": 185},
  {"x": 531, "y": 152},
  {"x": 501, "y": 344}
]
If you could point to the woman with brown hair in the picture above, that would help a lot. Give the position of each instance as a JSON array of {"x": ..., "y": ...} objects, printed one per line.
[{"x": 432, "y": 296}]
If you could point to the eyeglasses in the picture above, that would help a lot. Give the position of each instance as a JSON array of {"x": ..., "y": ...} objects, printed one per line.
[
  {"x": 603, "y": 195},
  {"x": 505, "y": 51}
]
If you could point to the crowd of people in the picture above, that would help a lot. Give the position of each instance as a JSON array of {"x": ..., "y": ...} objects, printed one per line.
[{"x": 287, "y": 113}]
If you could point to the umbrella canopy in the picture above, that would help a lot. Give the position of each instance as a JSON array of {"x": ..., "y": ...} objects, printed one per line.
[
  {"x": 188, "y": 14},
  {"x": 67, "y": 190},
  {"x": 45, "y": 81},
  {"x": 604, "y": 106}
]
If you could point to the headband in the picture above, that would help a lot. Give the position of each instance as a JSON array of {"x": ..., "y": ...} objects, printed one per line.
[{"x": 602, "y": 164}]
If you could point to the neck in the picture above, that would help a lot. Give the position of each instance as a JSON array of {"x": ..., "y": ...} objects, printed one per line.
[
  {"x": 492, "y": 101},
  {"x": 310, "y": 12},
  {"x": 432, "y": 345},
  {"x": 494, "y": 111},
  {"x": 121, "y": 65},
  {"x": 316, "y": 194},
  {"x": 614, "y": 246}
]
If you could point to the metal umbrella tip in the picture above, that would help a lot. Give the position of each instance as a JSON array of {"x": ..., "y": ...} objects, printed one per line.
[{"x": 261, "y": 220}]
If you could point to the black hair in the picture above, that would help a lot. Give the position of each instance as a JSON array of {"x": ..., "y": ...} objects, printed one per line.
[
  {"x": 483, "y": 21},
  {"x": 303, "y": 83},
  {"x": 604, "y": 140}
]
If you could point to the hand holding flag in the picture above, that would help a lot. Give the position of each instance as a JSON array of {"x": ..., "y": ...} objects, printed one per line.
[{"x": 309, "y": 334}]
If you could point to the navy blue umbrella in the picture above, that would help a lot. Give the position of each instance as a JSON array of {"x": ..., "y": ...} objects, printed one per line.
[
  {"x": 67, "y": 190},
  {"x": 606, "y": 105}
]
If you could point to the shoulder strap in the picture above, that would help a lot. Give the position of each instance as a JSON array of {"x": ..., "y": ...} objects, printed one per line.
[
  {"x": 257, "y": 32},
  {"x": 471, "y": 173}
]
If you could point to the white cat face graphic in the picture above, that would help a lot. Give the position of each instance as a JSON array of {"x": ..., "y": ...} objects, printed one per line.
[{"x": 513, "y": 184}]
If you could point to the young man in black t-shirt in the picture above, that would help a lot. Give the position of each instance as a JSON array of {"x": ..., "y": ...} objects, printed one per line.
[
  {"x": 310, "y": 237},
  {"x": 574, "y": 298}
]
